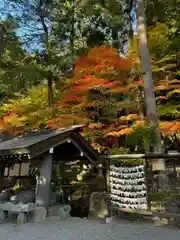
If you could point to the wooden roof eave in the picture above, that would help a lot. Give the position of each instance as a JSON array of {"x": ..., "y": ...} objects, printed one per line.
[
  {"x": 14, "y": 155},
  {"x": 81, "y": 144},
  {"x": 39, "y": 147},
  {"x": 45, "y": 145},
  {"x": 34, "y": 147}
]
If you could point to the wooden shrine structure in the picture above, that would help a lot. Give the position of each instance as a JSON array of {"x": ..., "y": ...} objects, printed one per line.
[{"x": 41, "y": 150}]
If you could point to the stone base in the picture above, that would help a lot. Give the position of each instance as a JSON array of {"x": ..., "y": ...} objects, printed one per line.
[
  {"x": 20, "y": 218},
  {"x": 98, "y": 206},
  {"x": 62, "y": 211},
  {"x": 12, "y": 212},
  {"x": 17, "y": 208},
  {"x": 39, "y": 214}
]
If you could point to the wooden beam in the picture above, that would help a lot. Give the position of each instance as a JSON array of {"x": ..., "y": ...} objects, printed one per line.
[
  {"x": 133, "y": 211},
  {"x": 45, "y": 145},
  {"x": 141, "y": 156}
]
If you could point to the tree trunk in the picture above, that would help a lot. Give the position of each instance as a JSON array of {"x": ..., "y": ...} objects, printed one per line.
[
  {"x": 3, "y": 40},
  {"x": 42, "y": 16},
  {"x": 150, "y": 101},
  {"x": 50, "y": 92}
]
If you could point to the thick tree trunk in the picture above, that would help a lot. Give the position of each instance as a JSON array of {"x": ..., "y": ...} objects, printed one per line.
[
  {"x": 42, "y": 16},
  {"x": 150, "y": 101}
]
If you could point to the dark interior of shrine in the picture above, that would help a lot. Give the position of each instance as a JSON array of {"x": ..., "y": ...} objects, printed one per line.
[{"x": 68, "y": 161}]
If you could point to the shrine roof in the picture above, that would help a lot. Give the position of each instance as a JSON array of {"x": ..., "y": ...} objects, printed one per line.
[
  {"x": 22, "y": 144},
  {"x": 34, "y": 144}
]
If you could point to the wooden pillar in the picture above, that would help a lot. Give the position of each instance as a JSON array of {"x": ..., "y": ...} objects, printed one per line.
[
  {"x": 147, "y": 175},
  {"x": 2, "y": 168},
  {"x": 108, "y": 187},
  {"x": 43, "y": 194}
]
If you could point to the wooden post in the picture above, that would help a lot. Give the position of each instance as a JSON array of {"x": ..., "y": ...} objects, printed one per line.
[
  {"x": 44, "y": 184},
  {"x": 108, "y": 162},
  {"x": 2, "y": 168},
  {"x": 147, "y": 184}
]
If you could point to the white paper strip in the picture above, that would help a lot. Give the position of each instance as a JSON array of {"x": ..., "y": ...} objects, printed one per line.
[
  {"x": 128, "y": 189},
  {"x": 14, "y": 170},
  {"x": 25, "y": 169}
]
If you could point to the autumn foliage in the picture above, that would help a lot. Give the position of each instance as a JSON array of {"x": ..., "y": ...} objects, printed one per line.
[
  {"x": 106, "y": 94},
  {"x": 98, "y": 78}
]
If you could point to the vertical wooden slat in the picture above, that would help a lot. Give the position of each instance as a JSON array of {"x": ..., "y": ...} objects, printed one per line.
[
  {"x": 147, "y": 184},
  {"x": 20, "y": 165},
  {"x": 108, "y": 162},
  {"x": 2, "y": 168}
]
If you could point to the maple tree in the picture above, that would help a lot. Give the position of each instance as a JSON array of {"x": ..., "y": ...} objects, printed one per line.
[
  {"x": 96, "y": 95},
  {"x": 106, "y": 94},
  {"x": 26, "y": 113},
  {"x": 103, "y": 94},
  {"x": 109, "y": 97}
]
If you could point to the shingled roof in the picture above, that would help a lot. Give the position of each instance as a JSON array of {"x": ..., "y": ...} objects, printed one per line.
[{"x": 34, "y": 144}]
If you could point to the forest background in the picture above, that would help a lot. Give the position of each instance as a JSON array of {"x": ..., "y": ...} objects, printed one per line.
[{"x": 77, "y": 62}]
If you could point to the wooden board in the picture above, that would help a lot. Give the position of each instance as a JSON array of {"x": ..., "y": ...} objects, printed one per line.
[{"x": 135, "y": 211}]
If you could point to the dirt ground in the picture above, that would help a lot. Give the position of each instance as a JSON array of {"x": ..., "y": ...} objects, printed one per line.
[{"x": 79, "y": 229}]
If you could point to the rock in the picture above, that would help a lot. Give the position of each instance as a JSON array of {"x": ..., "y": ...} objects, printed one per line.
[
  {"x": 98, "y": 206},
  {"x": 108, "y": 219},
  {"x": 160, "y": 221},
  {"x": 62, "y": 211},
  {"x": 39, "y": 214}
]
